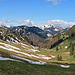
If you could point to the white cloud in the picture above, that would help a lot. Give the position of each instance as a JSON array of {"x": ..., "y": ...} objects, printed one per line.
[
  {"x": 4, "y": 24},
  {"x": 26, "y": 22},
  {"x": 60, "y": 23},
  {"x": 55, "y": 2},
  {"x": 1, "y": 23},
  {"x": 5, "y": 21}
]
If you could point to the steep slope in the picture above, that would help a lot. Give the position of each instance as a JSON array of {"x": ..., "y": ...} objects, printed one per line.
[
  {"x": 32, "y": 33},
  {"x": 71, "y": 31},
  {"x": 8, "y": 36},
  {"x": 36, "y": 35},
  {"x": 51, "y": 30},
  {"x": 50, "y": 42}
]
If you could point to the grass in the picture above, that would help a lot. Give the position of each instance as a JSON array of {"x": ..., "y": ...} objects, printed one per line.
[
  {"x": 71, "y": 58},
  {"x": 19, "y": 68}
]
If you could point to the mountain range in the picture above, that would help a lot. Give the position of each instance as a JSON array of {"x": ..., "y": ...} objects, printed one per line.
[
  {"x": 37, "y": 34},
  {"x": 31, "y": 44}
]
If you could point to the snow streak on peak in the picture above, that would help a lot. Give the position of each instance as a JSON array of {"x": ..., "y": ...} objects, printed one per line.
[{"x": 47, "y": 26}]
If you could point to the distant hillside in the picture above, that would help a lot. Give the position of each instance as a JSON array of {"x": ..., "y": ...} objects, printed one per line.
[
  {"x": 51, "y": 30},
  {"x": 32, "y": 33},
  {"x": 71, "y": 31},
  {"x": 38, "y": 35},
  {"x": 50, "y": 42},
  {"x": 8, "y": 36}
]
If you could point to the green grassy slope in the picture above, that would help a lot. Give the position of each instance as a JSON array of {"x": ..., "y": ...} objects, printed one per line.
[{"x": 19, "y": 68}]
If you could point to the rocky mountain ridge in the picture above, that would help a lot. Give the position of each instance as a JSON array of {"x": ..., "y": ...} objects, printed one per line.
[{"x": 51, "y": 29}]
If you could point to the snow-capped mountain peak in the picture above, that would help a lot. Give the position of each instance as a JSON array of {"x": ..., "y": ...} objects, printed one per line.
[
  {"x": 58, "y": 29},
  {"x": 47, "y": 26}
]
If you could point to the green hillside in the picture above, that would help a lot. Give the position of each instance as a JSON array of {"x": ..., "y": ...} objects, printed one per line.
[{"x": 19, "y": 68}]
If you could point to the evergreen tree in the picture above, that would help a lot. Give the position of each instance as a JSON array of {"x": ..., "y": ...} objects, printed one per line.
[
  {"x": 74, "y": 53},
  {"x": 59, "y": 57},
  {"x": 74, "y": 56},
  {"x": 71, "y": 48},
  {"x": 63, "y": 36},
  {"x": 70, "y": 43},
  {"x": 60, "y": 47},
  {"x": 57, "y": 49}
]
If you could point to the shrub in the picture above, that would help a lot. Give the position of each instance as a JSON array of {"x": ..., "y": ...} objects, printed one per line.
[
  {"x": 57, "y": 49},
  {"x": 59, "y": 57},
  {"x": 71, "y": 48}
]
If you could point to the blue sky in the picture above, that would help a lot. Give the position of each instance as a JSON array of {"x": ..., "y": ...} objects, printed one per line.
[{"x": 37, "y": 12}]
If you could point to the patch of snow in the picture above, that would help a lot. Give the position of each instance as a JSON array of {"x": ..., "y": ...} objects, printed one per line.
[
  {"x": 4, "y": 59},
  {"x": 9, "y": 46},
  {"x": 65, "y": 66},
  {"x": 31, "y": 50},
  {"x": 3, "y": 38},
  {"x": 1, "y": 32},
  {"x": 13, "y": 40},
  {"x": 16, "y": 41},
  {"x": 22, "y": 38},
  {"x": 25, "y": 44},
  {"x": 16, "y": 38},
  {"x": 49, "y": 35},
  {"x": 1, "y": 58},
  {"x": 56, "y": 29},
  {"x": 19, "y": 40},
  {"x": 52, "y": 56},
  {"x": 7, "y": 40},
  {"x": 30, "y": 61},
  {"x": 8, "y": 25},
  {"x": 16, "y": 29},
  {"x": 34, "y": 50},
  {"x": 48, "y": 30},
  {"x": 41, "y": 55},
  {"x": 47, "y": 58},
  {"x": 66, "y": 47},
  {"x": 34, "y": 56},
  {"x": 47, "y": 26},
  {"x": 33, "y": 47},
  {"x": 44, "y": 57}
]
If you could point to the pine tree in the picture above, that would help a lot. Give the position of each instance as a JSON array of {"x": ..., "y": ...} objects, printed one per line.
[
  {"x": 74, "y": 56},
  {"x": 60, "y": 47},
  {"x": 59, "y": 57},
  {"x": 74, "y": 53},
  {"x": 57, "y": 49},
  {"x": 71, "y": 48},
  {"x": 70, "y": 43}
]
